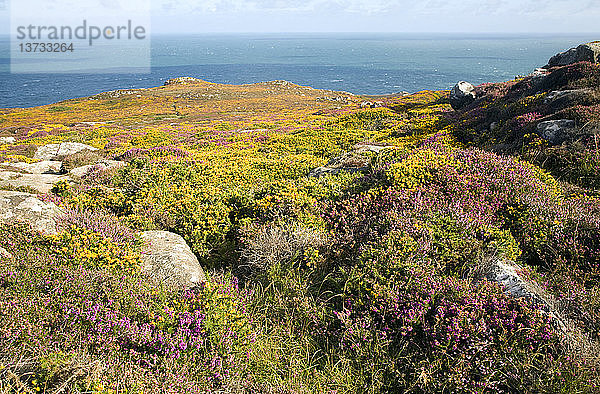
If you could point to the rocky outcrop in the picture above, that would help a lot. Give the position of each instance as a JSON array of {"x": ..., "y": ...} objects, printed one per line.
[
  {"x": 562, "y": 97},
  {"x": 182, "y": 81},
  {"x": 563, "y": 58},
  {"x": 41, "y": 167},
  {"x": 371, "y": 104},
  {"x": 35, "y": 183},
  {"x": 7, "y": 140},
  {"x": 53, "y": 151},
  {"x": 589, "y": 52},
  {"x": 103, "y": 165},
  {"x": 356, "y": 160},
  {"x": 168, "y": 259},
  {"x": 461, "y": 95},
  {"x": 557, "y": 131},
  {"x": 25, "y": 207}
]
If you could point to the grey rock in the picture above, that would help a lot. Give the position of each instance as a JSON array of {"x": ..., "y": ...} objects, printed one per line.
[
  {"x": 169, "y": 260},
  {"x": 461, "y": 95},
  {"x": 556, "y": 131},
  {"x": 80, "y": 172},
  {"x": 25, "y": 207},
  {"x": 363, "y": 148},
  {"x": 505, "y": 274},
  {"x": 589, "y": 52},
  {"x": 563, "y": 58},
  {"x": 371, "y": 104},
  {"x": 559, "y": 96},
  {"x": 52, "y": 151},
  {"x": 322, "y": 171},
  {"x": 40, "y": 183},
  {"x": 7, "y": 140},
  {"x": 41, "y": 167}
]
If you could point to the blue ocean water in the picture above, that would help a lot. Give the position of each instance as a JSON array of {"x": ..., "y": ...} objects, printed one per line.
[{"x": 358, "y": 63}]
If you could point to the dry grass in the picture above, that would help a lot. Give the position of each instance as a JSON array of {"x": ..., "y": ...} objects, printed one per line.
[
  {"x": 279, "y": 244},
  {"x": 18, "y": 374},
  {"x": 79, "y": 159}
]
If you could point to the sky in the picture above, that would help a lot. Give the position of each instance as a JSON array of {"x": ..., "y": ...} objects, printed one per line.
[{"x": 452, "y": 16}]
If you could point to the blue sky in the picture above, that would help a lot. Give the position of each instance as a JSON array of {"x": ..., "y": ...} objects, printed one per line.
[{"x": 505, "y": 16}]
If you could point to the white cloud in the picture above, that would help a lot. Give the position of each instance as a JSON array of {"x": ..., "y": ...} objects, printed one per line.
[
  {"x": 382, "y": 6},
  {"x": 379, "y": 15}
]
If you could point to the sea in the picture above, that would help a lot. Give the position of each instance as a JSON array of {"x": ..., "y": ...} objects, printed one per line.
[{"x": 361, "y": 63}]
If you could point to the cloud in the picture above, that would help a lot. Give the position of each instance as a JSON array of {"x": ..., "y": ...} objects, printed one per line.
[
  {"x": 378, "y": 15},
  {"x": 430, "y": 7}
]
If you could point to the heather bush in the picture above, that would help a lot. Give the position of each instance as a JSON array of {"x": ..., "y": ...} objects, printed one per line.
[
  {"x": 414, "y": 330},
  {"x": 186, "y": 340}
]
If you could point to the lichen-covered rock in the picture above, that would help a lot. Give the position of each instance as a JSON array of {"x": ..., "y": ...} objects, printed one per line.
[
  {"x": 505, "y": 274},
  {"x": 52, "y": 151},
  {"x": 168, "y": 259},
  {"x": 36, "y": 183},
  {"x": 461, "y": 95},
  {"x": 41, "y": 167},
  {"x": 25, "y": 207},
  {"x": 80, "y": 172},
  {"x": 556, "y": 131}
]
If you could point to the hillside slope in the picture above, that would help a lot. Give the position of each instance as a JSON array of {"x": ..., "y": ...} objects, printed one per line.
[{"x": 348, "y": 245}]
